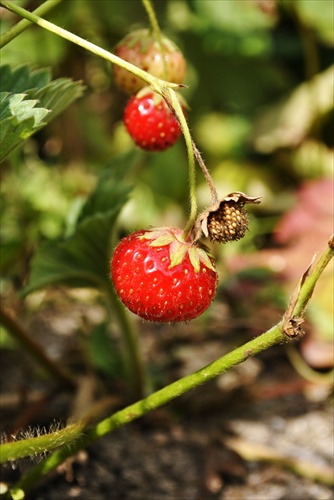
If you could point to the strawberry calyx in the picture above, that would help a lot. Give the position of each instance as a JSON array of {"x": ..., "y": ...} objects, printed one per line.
[
  {"x": 146, "y": 91},
  {"x": 157, "y": 98},
  {"x": 179, "y": 248}
]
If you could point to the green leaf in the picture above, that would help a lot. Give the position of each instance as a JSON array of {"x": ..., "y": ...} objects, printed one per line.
[
  {"x": 18, "y": 119},
  {"x": 82, "y": 259},
  {"x": 28, "y": 101},
  {"x": 21, "y": 79},
  {"x": 111, "y": 190}
]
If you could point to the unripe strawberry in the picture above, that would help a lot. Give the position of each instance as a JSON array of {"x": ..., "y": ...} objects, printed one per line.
[
  {"x": 160, "y": 277},
  {"x": 143, "y": 50},
  {"x": 150, "y": 122}
]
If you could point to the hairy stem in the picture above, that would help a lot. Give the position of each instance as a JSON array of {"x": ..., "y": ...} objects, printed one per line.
[
  {"x": 308, "y": 286},
  {"x": 156, "y": 30},
  {"x": 152, "y": 17},
  {"x": 174, "y": 103},
  {"x": 40, "y": 444},
  {"x": 208, "y": 178},
  {"x": 272, "y": 337},
  {"x": 24, "y": 23}
]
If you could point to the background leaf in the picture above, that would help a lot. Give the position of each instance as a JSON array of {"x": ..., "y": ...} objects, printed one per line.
[
  {"x": 82, "y": 259},
  {"x": 104, "y": 353},
  {"x": 28, "y": 101}
]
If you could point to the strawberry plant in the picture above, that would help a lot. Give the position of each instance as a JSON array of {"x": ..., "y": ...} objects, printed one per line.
[{"x": 164, "y": 274}]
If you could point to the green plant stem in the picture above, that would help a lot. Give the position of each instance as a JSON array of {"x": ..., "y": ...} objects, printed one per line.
[
  {"x": 156, "y": 30},
  {"x": 133, "y": 360},
  {"x": 206, "y": 173},
  {"x": 19, "y": 27},
  {"x": 40, "y": 444},
  {"x": 308, "y": 286},
  {"x": 35, "y": 350},
  {"x": 272, "y": 337},
  {"x": 152, "y": 17},
  {"x": 157, "y": 84},
  {"x": 174, "y": 103}
]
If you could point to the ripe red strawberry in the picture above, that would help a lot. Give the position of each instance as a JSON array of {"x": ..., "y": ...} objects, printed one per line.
[
  {"x": 142, "y": 49},
  {"x": 150, "y": 122},
  {"x": 162, "y": 278}
]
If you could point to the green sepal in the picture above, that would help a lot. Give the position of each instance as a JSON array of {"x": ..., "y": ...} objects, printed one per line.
[
  {"x": 177, "y": 253},
  {"x": 158, "y": 234},
  {"x": 162, "y": 241},
  {"x": 197, "y": 256},
  {"x": 194, "y": 259},
  {"x": 205, "y": 259}
]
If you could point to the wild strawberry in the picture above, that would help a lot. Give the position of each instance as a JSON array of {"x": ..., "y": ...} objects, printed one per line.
[
  {"x": 143, "y": 50},
  {"x": 160, "y": 277},
  {"x": 150, "y": 122}
]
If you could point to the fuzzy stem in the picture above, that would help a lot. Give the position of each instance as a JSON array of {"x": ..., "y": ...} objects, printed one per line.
[
  {"x": 174, "y": 104},
  {"x": 40, "y": 444},
  {"x": 35, "y": 350},
  {"x": 272, "y": 337},
  {"x": 157, "y": 84},
  {"x": 19, "y": 27},
  {"x": 156, "y": 30},
  {"x": 308, "y": 286},
  {"x": 208, "y": 178},
  {"x": 152, "y": 17}
]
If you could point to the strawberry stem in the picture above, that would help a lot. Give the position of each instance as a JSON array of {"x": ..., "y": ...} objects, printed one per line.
[
  {"x": 156, "y": 30},
  {"x": 19, "y": 27},
  {"x": 174, "y": 103},
  {"x": 206, "y": 173}
]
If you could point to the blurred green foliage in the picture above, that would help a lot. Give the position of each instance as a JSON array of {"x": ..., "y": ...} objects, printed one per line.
[{"x": 246, "y": 61}]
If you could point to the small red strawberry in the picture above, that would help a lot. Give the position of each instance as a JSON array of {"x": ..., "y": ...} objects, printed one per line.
[
  {"x": 142, "y": 49},
  {"x": 150, "y": 122},
  {"x": 160, "y": 277}
]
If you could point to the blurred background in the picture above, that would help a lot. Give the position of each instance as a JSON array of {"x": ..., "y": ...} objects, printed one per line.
[{"x": 260, "y": 91}]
